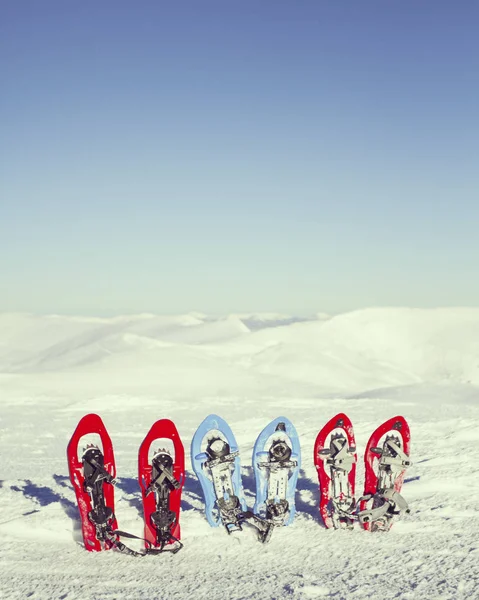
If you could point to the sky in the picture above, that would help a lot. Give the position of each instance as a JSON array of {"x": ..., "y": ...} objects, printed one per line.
[{"x": 238, "y": 156}]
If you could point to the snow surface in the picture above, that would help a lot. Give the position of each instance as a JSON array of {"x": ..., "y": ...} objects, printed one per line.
[{"x": 132, "y": 370}]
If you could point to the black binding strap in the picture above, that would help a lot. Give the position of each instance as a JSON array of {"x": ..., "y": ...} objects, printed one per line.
[
  {"x": 265, "y": 527},
  {"x": 101, "y": 516},
  {"x": 164, "y": 547}
]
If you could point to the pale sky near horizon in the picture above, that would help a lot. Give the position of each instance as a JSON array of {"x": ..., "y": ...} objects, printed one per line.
[{"x": 238, "y": 156}]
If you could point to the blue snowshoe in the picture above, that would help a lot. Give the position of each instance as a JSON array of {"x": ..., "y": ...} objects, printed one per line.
[
  {"x": 276, "y": 461},
  {"x": 216, "y": 462}
]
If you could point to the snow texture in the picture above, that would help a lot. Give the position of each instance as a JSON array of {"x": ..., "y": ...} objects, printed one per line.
[{"x": 132, "y": 370}]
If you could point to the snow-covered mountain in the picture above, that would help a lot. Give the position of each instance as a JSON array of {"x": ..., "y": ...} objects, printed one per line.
[{"x": 361, "y": 350}]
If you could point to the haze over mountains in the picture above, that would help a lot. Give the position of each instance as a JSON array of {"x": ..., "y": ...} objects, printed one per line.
[{"x": 357, "y": 351}]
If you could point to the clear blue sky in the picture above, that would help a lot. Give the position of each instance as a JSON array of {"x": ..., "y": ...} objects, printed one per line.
[{"x": 224, "y": 156}]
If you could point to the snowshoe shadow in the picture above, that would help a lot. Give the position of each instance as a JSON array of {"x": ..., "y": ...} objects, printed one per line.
[
  {"x": 304, "y": 488},
  {"x": 249, "y": 482},
  {"x": 409, "y": 479},
  {"x": 192, "y": 489},
  {"x": 130, "y": 487},
  {"x": 307, "y": 488},
  {"x": 44, "y": 496}
]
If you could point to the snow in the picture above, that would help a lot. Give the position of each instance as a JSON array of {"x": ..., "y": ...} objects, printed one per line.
[{"x": 132, "y": 370}]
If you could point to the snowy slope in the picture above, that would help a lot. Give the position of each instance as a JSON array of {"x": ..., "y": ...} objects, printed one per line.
[{"x": 133, "y": 370}]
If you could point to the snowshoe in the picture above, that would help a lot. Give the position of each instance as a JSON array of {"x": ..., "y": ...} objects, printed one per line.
[
  {"x": 92, "y": 477},
  {"x": 161, "y": 482},
  {"x": 216, "y": 462},
  {"x": 335, "y": 460},
  {"x": 386, "y": 460},
  {"x": 276, "y": 462}
]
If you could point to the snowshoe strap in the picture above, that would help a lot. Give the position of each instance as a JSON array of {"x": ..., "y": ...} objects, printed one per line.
[
  {"x": 396, "y": 500},
  {"x": 234, "y": 517},
  {"x": 113, "y": 538},
  {"x": 276, "y": 466},
  {"x": 339, "y": 456},
  {"x": 231, "y": 513},
  {"x": 105, "y": 533},
  {"x": 344, "y": 508},
  {"x": 164, "y": 547},
  {"x": 160, "y": 478},
  {"x": 342, "y": 460},
  {"x": 277, "y": 511},
  {"x": 102, "y": 516},
  {"x": 228, "y": 458},
  {"x": 265, "y": 527},
  {"x": 390, "y": 503},
  {"x": 100, "y": 473},
  {"x": 395, "y": 456}
]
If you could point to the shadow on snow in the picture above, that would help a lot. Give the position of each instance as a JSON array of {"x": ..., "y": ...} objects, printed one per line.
[{"x": 44, "y": 496}]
